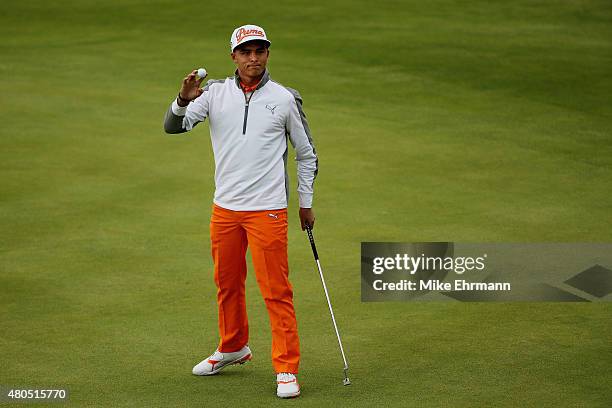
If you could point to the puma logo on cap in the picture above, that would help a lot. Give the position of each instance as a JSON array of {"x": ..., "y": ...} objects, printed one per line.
[{"x": 242, "y": 33}]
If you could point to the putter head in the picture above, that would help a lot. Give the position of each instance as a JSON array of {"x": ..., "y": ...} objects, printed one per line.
[{"x": 346, "y": 380}]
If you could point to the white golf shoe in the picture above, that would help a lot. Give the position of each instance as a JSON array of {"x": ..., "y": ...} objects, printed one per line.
[
  {"x": 287, "y": 385},
  {"x": 217, "y": 361}
]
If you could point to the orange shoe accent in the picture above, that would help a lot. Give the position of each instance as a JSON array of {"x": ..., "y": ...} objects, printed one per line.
[{"x": 244, "y": 359}]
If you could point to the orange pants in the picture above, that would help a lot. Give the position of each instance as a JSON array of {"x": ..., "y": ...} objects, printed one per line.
[{"x": 265, "y": 233}]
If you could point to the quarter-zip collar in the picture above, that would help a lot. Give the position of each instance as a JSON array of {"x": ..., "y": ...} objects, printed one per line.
[
  {"x": 248, "y": 95},
  {"x": 264, "y": 79}
]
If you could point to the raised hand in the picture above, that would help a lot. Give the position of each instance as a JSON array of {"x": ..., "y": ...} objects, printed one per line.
[{"x": 190, "y": 89}]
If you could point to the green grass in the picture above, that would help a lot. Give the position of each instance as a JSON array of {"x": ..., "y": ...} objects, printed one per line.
[{"x": 461, "y": 121}]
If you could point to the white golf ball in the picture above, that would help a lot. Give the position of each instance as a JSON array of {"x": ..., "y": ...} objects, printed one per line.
[{"x": 202, "y": 73}]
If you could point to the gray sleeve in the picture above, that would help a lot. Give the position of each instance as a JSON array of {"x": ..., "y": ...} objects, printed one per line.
[
  {"x": 306, "y": 155},
  {"x": 173, "y": 124},
  {"x": 183, "y": 119}
]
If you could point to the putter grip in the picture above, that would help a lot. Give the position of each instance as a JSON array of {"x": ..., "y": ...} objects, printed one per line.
[{"x": 312, "y": 243}]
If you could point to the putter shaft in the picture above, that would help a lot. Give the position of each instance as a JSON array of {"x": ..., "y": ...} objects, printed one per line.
[{"x": 331, "y": 310}]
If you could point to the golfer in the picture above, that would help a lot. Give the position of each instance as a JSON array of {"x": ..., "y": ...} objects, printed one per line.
[{"x": 251, "y": 117}]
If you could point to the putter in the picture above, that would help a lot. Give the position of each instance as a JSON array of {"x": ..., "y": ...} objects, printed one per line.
[{"x": 346, "y": 380}]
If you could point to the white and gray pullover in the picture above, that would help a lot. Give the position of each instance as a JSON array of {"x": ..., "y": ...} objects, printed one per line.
[{"x": 249, "y": 139}]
